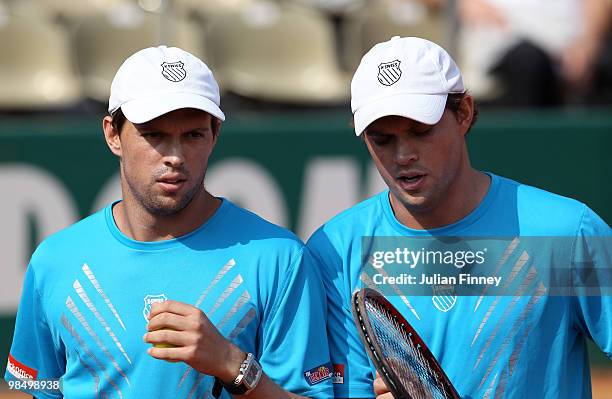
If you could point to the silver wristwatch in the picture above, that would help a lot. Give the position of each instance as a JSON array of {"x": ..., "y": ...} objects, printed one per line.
[{"x": 247, "y": 379}]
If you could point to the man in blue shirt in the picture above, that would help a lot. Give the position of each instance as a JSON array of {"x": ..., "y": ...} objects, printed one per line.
[
  {"x": 519, "y": 337},
  {"x": 229, "y": 301}
]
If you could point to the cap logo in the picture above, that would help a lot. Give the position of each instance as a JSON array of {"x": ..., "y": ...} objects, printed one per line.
[
  {"x": 174, "y": 71},
  {"x": 389, "y": 72}
]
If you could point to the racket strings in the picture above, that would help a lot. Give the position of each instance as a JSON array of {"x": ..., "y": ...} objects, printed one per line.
[{"x": 404, "y": 355}]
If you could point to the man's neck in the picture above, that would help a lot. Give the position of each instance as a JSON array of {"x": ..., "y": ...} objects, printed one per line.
[
  {"x": 136, "y": 222},
  {"x": 463, "y": 197}
]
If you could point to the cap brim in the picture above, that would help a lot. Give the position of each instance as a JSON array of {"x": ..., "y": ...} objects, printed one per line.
[
  {"x": 144, "y": 110},
  {"x": 424, "y": 108}
]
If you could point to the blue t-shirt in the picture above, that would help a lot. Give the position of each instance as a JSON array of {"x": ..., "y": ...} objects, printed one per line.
[
  {"x": 514, "y": 346},
  {"x": 88, "y": 290}
]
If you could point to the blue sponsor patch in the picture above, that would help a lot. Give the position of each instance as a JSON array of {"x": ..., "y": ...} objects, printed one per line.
[{"x": 319, "y": 374}]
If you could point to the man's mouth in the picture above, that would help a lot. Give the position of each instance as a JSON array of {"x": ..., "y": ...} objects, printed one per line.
[
  {"x": 411, "y": 181},
  {"x": 171, "y": 184}
]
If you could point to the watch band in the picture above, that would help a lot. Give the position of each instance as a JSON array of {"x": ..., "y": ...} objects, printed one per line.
[{"x": 247, "y": 379}]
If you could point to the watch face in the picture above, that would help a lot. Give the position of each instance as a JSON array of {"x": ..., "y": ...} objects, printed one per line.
[{"x": 251, "y": 374}]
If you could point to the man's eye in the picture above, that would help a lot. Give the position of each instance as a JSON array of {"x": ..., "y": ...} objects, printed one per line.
[
  {"x": 380, "y": 140},
  {"x": 423, "y": 131},
  {"x": 196, "y": 134},
  {"x": 151, "y": 135}
]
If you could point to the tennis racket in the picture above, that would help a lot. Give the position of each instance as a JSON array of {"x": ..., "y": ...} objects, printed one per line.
[{"x": 402, "y": 359}]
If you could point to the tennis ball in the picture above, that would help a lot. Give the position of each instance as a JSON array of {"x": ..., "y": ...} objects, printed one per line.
[{"x": 163, "y": 344}]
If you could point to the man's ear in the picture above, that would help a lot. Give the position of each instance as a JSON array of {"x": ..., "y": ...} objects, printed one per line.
[
  {"x": 111, "y": 135},
  {"x": 217, "y": 128},
  {"x": 465, "y": 113}
]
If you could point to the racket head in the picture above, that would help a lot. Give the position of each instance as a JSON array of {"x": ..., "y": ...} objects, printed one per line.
[{"x": 400, "y": 386}]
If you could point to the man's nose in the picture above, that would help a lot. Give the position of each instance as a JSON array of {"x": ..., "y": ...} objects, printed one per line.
[
  {"x": 405, "y": 152},
  {"x": 173, "y": 154}
]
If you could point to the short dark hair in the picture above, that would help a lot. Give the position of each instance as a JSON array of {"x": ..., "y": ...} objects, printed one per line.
[
  {"x": 453, "y": 103},
  {"x": 118, "y": 120}
]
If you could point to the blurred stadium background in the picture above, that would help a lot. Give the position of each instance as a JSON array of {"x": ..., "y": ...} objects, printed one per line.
[{"x": 287, "y": 150}]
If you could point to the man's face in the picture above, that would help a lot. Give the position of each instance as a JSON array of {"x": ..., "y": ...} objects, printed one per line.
[
  {"x": 420, "y": 163},
  {"x": 163, "y": 161}
]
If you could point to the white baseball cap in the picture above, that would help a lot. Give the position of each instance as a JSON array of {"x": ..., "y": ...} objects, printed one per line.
[
  {"x": 409, "y": 77},
  {"x": 157, "y": 80}
]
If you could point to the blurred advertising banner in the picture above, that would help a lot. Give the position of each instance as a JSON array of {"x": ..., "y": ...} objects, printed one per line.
[{"x": 296, "y": 170}]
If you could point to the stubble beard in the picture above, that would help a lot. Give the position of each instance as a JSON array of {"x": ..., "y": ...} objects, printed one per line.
[
  {"x": 155, "y": 205},
  {"x": 428, "y": 201},
  {"x": 409, "y": 202}
]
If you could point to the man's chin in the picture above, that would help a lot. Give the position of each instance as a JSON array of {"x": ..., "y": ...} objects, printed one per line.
[
  {"x": 413, "y": 203},
  {"x": 166, "y": 207}
]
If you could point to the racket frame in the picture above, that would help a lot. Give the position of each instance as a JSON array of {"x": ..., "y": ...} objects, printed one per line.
[{"x": 388, "y": 375}]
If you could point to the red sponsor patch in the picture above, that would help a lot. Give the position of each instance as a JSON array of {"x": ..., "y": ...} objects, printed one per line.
[
  {"x": 318, "y": 374},
  {"x": 20, "y": 370},
  {"x": 338, "y": 377}
]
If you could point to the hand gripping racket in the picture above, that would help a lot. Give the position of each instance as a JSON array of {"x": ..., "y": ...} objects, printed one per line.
[{"x": 402, "y": 359}]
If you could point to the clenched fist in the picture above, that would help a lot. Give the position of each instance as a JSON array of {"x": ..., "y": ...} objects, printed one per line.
[{"x": 183, "y": 333}]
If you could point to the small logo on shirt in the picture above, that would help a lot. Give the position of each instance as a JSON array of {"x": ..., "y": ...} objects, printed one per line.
[
  {"x": 338, "y": 374},
  {"x": 20, "y": 370},
  {"x": 389, "y": 72},
  {"x": 150, "y": 300},
  {"x": 445, "y": 297},
  {"x": 318, "y": 374},
  {"x": 174, "y": 71}
]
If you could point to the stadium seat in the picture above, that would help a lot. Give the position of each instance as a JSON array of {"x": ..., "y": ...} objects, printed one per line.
[
  {"x": 74, "y": 9},
  {"x": 211, "y": 8},
  {"x": 334, "y": 7},
  {"x": 380, "y": 20},
  {"x": 104, "y": 41},
  {"x": 279, "y": 53},
  {"x": 36, "y": 71}
]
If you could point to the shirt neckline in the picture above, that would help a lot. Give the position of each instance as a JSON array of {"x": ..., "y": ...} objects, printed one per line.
[
  {"x": 163, "y": 244},
  {"x": 452, "y": 228}
]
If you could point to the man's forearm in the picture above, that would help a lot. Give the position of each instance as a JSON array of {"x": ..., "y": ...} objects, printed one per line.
[
  {"x": 269, "y": 389},
  {"x": 265, "y": 389}
]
